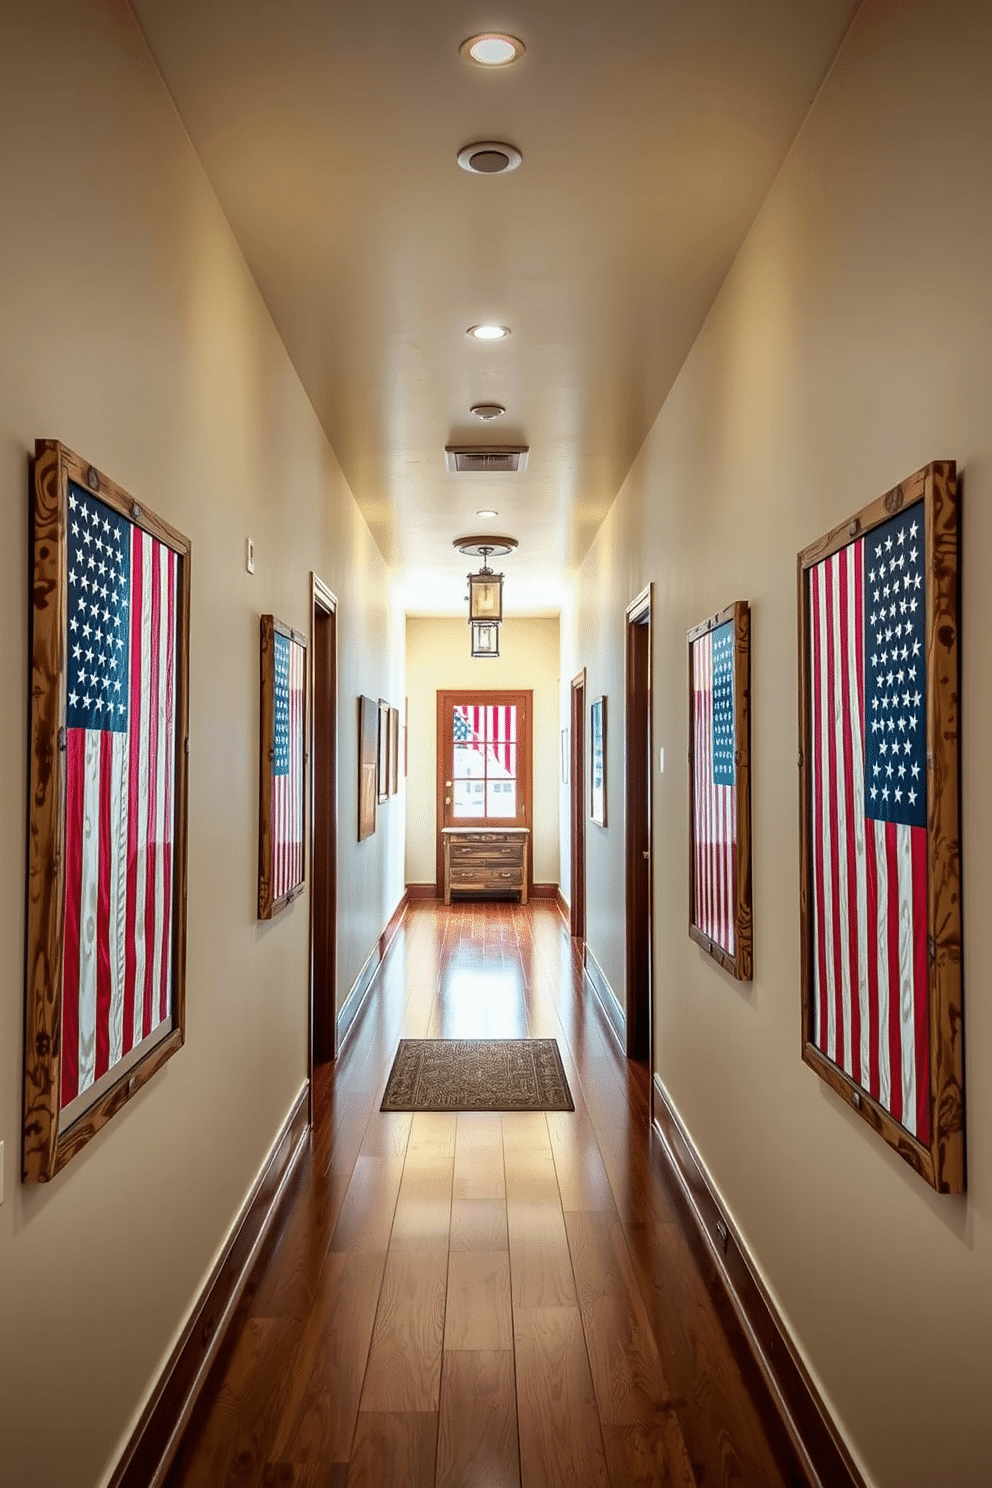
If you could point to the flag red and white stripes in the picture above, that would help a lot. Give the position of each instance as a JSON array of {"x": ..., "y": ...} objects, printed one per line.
[
  {"x": 120, "y": 790},
  {"x": 714, "y": 808},
  {"x": 869, "y": 876}
]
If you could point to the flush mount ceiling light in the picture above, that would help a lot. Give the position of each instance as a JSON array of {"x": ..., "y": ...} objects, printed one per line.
[
  {"x": 487, "y": 411},
  {"x": 489, "y": 158},
  {"x": 484, "y": 512},
  {"x": 492, "y": 49},
  {"x": 488, "y": 332}
]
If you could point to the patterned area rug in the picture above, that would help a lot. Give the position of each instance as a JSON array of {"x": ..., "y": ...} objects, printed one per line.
[{"x": 477, "y": 1075}]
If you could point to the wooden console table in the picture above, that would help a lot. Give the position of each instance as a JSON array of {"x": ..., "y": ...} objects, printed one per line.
[{"x": 485, "y": 860}]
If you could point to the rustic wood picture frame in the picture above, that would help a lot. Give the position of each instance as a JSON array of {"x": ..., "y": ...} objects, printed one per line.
[
  {"x": 282, "y": 793},
  {"x": 368, "y": 758},
  {"x": 933, "y": 1071},
  {"x": 382, "y": 753},
  {"x": 54, "y": 1131},
  {"x": 597, "y": 761},
  {"x": 720, "y": 912},
  {"x": 394, "y": 751}
]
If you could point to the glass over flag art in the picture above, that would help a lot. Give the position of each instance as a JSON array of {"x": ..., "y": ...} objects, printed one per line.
[
  {"x": 106, "y": 911},
  {"x": 719, "y": 767},
  {"x": 282, "y": 761},
  {"x": 880, "y": 889}
]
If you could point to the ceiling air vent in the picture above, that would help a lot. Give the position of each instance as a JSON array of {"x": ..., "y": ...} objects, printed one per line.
[{"x": 488, "y": 459}]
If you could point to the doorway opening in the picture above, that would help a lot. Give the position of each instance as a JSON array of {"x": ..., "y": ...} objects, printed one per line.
[
  {"x": 323, "y": 826},
  {"x": 577, "y": 796},
  {"x": 639, "y": 896}
]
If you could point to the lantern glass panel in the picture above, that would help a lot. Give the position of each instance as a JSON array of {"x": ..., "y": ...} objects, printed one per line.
[
  {"x": 485, "y": 638},
  {"x": 485, "y": 596}
]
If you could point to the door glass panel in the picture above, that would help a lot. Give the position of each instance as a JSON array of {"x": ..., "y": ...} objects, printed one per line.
[
  {"x": 501, "y": 798},
  {"x": 469, "y": 762},
  {"x": 501, "y": 724},
  {"x": 501, "y": 762},
  {"x": 468, "y": 725},
  {"x": 468, "y": 798}
]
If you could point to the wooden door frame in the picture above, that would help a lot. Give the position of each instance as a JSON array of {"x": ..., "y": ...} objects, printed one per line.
[
  {"x": 323, "y": 603},
  {"x": 492, "y": 696},
  {"x": 638, "y": 793},
  {"x": 577, "y": 809}
]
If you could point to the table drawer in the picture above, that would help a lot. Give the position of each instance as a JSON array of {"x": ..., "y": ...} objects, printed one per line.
[{"x": 464, "y": 855}]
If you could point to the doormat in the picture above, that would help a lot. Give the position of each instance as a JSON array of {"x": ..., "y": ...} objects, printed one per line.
[{"x": 477, "y": 1075}]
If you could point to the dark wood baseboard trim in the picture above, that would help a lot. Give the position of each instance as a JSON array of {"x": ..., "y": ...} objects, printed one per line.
[
  {"x": 153, "y": 1443},
  {"x": 606, "y": 997},
  {"x": 386, "y": 938},
  {"x": 543, "y": 891},
  {"x": 362, "y": 984},
  {"x": 422, "y": 891},
  {"x": 799, "y": 1428}
]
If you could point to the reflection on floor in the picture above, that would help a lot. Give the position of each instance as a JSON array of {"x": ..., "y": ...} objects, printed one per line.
[{"x": 478, "y": 1301}]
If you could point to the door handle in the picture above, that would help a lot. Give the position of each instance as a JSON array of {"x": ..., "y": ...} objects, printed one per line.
[
  {"x": 645, "y": 855},
  {"x": 447, "y": 800}
]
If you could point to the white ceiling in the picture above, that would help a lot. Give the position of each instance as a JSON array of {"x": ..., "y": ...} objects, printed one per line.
[{"x": 650, "y": 131}]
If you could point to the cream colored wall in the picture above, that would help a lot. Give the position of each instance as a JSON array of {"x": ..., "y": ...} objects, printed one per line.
[
  {"x": 849, "y": 345},
  {"x": 132, "y": 331},
  {"x": 437, "y": 657}
]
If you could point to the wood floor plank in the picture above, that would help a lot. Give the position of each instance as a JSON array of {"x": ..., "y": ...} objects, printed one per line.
[
  {"x": 404, "y": 1366},
  {"x": 305, "y": 1475},
  {"x": 394, "y": 1449},
  {"x": 422, "y": 1220},
  {"x": 540, "y": 1263},
  {"x": 642, "y": 1457},
  {"x": 560, "y": 1440},
  {"x": 477, "y": 1438},
  {"x": 478, "y": 1224},
  {"x": 477, "y": 1312},
  {"x": 323, "y": 1388},
  {"x": 229, "y": 1443},
  {"x": 582, "y": 1177},
  {"x": 479, "y": 1156},
  {"x": 366, "y": 1218}
]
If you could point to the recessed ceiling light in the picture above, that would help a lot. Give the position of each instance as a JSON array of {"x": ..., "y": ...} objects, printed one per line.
[
  {"x": 489, "y": 158},
  {"x": 492, "y": 49},
  {"x": 487, "y": 411},
  {"x": 485, "y": 513},
  {"x": 489, "y": 332}
]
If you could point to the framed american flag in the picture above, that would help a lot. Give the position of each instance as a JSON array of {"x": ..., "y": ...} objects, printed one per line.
[
  {"x": 720, "y": 788},
  {"x": 106, "y": 911},
  {"x": 282, "y": 766},
  {"x": 880, "y": 892}
]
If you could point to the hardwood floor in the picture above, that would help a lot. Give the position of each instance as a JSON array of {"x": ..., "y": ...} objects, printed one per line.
[{"x": 479, "y": 1301}]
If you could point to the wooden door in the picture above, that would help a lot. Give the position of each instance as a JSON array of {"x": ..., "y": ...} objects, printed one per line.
[
  {"x": 484, "y": 742},
  {"x": 638, "y": 824},
  {"x": 577, "y": 795},
  {"x": 323, "y": 826}
]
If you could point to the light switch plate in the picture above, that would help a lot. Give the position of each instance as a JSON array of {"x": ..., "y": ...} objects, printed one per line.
[
  {"x": 249, "y": 555},
  {"x": 661, "y": 760}
]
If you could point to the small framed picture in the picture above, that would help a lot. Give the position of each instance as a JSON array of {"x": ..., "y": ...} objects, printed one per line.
[
  {"x": 597, "y": 751},
  {"x": 368, "y": 755},
  {"x": 282, "y": 758},
  {"x": 382, "y": 770}
]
